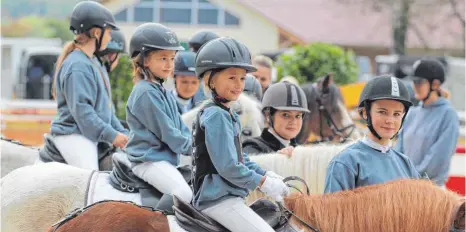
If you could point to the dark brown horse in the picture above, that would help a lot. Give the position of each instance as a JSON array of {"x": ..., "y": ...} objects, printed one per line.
[
  {"x": 403, "y": 205},
  {"x": 329, "y": 118}
]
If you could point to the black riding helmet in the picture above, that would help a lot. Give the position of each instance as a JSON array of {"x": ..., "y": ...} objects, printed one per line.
[
  {"x": 89, "y": 14},
  {"x": 219, "y": 54},
  {"x": 379, "y": 88},
  {"x": 152, "y": 36},
  {"x": 116, "y": 45},
  {"x": 200, "y": 38},
  {"x": 428, "y": 69},
  {"x": 185, "y": 63}
]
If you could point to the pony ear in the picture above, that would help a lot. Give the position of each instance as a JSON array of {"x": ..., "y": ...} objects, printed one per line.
[
  {"x": 328, "y": 80},
  {"x": 459, "y": 219}
]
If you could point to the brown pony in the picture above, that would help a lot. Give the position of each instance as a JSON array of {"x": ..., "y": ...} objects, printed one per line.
[{"x": 402, "y": 205}]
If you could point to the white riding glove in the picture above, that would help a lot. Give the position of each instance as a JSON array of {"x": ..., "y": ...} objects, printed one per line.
[
  {"x": 273, "y": 175},
  {"x": 275, "y": 188}
]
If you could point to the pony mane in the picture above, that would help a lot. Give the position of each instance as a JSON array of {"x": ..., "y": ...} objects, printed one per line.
[
  {"x": 251, "y": 111},
  {"x": 401, "y": 205},
  {"x": 309, "y": 162}
]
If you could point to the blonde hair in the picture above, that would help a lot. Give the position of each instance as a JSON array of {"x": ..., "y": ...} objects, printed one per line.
[
  {"x": 80, "y": 39},
  {"x": 137, "y": 70},
  {"x": 263, "y": 61}
]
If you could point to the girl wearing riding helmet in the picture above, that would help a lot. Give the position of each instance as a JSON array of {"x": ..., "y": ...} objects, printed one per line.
[
  {"x": 186, "y": 81},
  {"x": 157, "y": 134},
  {"x": 431, "y": 132},
  {"x": 110, "y": 56},
  {"x": 383, "y": 104},
  {"x": 283, "y": 105},
  {"x": 223, "y": 175},
  {"x": 85, "y": 110},
  {"x": 195, "y": 43}
]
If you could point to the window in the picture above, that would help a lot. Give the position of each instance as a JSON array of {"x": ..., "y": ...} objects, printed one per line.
[
  {"x": 172, "y": 15},
  {"x": 197, "y": 12},
  {"x": 231, "y": 19},
  {"x": 207, "y": 16},
  {"x": 122, "y": 15},
  {"x": 143, "y": 14}
]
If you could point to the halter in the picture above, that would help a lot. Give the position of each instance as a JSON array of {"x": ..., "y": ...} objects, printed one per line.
[{"x": 324, "y": 114}]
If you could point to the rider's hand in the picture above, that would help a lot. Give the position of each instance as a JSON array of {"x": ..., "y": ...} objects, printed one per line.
[
  {"x": 288, "y": 151},
  {"x": 275, "y": 189},
  {"x": 273, "y": 175},
  {"x": 120, "y": 140}
]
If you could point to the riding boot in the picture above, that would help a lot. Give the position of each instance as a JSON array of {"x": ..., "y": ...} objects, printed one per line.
[{"x": 166, "y": 204}]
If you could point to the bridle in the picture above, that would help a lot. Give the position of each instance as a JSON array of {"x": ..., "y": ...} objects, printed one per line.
[{"x": 336, "y": 131}]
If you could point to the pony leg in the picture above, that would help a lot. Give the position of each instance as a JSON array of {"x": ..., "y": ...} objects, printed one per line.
[{"x": 35, "y": 197}]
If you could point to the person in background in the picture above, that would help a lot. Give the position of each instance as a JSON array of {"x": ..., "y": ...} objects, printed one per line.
[
  {"x": 186, "y": 81},
  {"x": 284, "y": 107},
  {"x": 431, "y": 130},
  {"x": 264, "y": 67}
]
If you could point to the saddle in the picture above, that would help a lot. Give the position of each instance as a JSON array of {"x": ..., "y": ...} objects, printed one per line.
[
  {"x": 122, "y": 178},
  {"x": 50, "y": 153},
  {"x": 192, "y": 219}
]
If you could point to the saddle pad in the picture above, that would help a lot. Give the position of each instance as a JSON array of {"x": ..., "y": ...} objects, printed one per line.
[{"x": 99, "y": 189}]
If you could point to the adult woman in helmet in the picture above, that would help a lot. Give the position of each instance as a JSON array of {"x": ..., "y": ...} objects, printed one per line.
[
  {"x": 383, "y": 104},
  {"x": 157, "y": 134},
  {"x": 223, "y": 174},
  {"x": 186, "y": 81},
  {"x": 85, "y": 111},
  {"x": 431, "y": 130},
  {"x": 283, "y": 105}
]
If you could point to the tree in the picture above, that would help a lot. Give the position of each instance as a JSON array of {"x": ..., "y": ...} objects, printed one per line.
[
  {"x": 409, "y": 15},
  {"x": 122, "y": 83},
  {"x": 308, "y": 62},
  {"x": 33, "y": 26}
]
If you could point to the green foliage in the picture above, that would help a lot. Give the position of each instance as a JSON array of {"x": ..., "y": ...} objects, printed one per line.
[
  {"x": 307, "y": 63},
  {"x": 122, "y": 83},
  {"x": 33, "y": 26}
]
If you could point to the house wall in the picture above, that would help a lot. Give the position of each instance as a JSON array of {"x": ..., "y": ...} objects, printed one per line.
[{"x": 254, "y": 31}]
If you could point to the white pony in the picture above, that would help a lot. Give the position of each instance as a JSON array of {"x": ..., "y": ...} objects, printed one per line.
[
  {"x": 34, "y": 197},
  {"x": 15, "y": 156},
  {"x": 249, "y": 110}
]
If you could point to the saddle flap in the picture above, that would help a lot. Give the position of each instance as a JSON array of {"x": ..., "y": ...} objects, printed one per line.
[
  {"x": 122, "y": 177},
  {"x": 268, "y": 211},
  {"x": 49, "y": 152},
  {"x": 193, "y": 219}
]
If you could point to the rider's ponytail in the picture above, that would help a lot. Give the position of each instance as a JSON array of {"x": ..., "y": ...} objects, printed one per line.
[{"x": 67, "y": 49}]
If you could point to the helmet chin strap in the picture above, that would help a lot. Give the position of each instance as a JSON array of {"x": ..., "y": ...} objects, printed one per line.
[
  {"x": 430, "y": 91},
  {"x": 147, "y": 73},
  {"x": 367, "y": 106}
]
